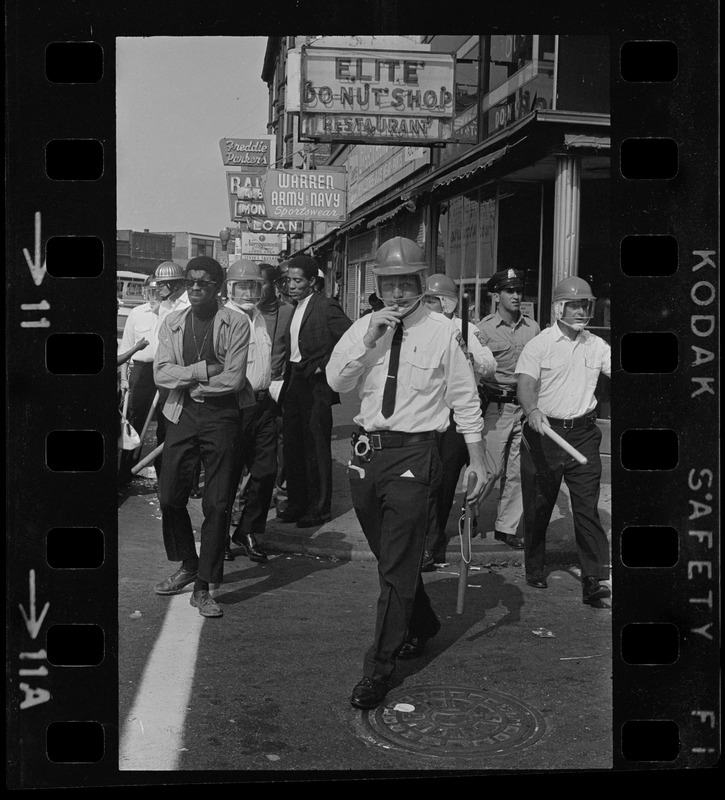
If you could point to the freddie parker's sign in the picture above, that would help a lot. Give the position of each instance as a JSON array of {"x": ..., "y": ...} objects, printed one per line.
[
  {"x": 246, "y": 152},
  {"x": 311, "y": 195},
  {"x": 369, "y": 96}
]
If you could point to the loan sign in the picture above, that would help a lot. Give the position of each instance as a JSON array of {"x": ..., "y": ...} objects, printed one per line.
[
  {"x": 246, "y": 204},
  {"x": 376, "y": 96},
  {"x": 318, "y": 194}
]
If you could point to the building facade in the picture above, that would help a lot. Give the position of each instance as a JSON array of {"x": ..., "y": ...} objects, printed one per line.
[
  {"x": 524, "y": 183},
  {"x": 141, "y": 251}
]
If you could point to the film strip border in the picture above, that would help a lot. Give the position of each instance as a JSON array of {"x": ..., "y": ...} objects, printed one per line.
[{"x": 62, "y": 562}]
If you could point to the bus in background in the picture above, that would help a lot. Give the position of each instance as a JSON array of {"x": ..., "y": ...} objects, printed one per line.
[{"x": 129, "y": 290}]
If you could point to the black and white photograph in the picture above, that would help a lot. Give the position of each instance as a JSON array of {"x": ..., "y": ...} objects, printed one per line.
[{"x": 414, "y": 434}]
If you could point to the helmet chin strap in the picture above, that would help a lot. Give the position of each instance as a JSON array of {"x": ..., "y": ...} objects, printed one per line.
[{"x": 416, "y": 303}]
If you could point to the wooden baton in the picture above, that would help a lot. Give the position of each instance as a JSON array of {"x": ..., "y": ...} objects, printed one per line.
[
  {"x": 564, "y": 445},
  {"x": 147, "y": 459}
]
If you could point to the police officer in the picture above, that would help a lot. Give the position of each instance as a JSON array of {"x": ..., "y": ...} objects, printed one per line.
[
  {"x": 170, "y": 286},
  {"x": 441, "y": 296},
  {"x": 137, "y": 374},
  {"x": 256, "y": 446},
  {"x": 506, "y": 331},
  {"x": 395, "y": 464},
  {"x": 557, "y": 375}
]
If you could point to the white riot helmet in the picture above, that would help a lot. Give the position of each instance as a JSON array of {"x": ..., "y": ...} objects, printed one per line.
[
  {"x": 573, "y": 290},
  {"x": 399, "y": 269},
  {"x": 444, "y": 288},
  {"x": 244, "y": 284}
]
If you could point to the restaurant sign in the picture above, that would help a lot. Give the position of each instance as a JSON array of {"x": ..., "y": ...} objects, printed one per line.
[
  {"x": 318, "y": 194},
  {"x": 376, "y": 96},
  {"x": 247, "y": 152}
]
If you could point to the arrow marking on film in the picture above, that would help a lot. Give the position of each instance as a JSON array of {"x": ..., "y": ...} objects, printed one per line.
[
  {"x": 32, "y": 622},
  {"x": 36, "y": 269}
]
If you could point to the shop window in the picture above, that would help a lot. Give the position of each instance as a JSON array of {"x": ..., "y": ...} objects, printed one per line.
[{"x": 519, "y": 237}]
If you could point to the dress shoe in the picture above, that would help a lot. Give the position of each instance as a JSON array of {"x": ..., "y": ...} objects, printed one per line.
[
  {"x": 288, "y": 515},
  {"x": 537, "y": 583},
  {"x": 228, "y": 555},
  {"x": 313, "y": 520},
  {"x": 592, "y": 590},
  {"x": 428, "y": 564},
  {"x": 413, "y": 647},
  {"x": 249, "y": 544},
  {"x": 509, "y": 539},
  {"x": 369, "y": 693},
  {"x": 206, "y": 604},
  {"x": 175, "y": 583}
]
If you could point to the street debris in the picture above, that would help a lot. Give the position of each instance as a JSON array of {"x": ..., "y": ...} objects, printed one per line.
[
  {"x": 543, "y": 633},
  {"x": 405, "y": 708},
  {"x": 135, "y": 615},
  {"x": 272, "y": 757}
]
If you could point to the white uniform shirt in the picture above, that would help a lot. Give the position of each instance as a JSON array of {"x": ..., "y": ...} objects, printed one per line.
[
  {"x": 259, "y": 353},
  {"x": 566, "y": 371},
  {"x": 167, "y": 306},
  {"x": 295, "y": 354},
  {"x": 434, "y": 375},
  {"x": 141, "y": 323},
  {"x": 484, "y": 364}
]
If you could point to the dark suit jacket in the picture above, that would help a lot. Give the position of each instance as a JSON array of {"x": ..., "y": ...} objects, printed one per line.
[{"x": 323, "y": 324}]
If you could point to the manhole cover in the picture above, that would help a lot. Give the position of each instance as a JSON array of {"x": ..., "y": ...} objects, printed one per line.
[{"x": 454, "y": 721}]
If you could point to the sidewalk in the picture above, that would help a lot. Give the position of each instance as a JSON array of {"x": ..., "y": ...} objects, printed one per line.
[{"x": 342, "y": 538}]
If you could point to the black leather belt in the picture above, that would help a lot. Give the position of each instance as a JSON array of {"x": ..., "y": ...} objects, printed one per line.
[
  {"x": 575, "y": 422},
  {"x": 498, "y": 395},
  {"x": 382, "y": 439},
  {"x": 142, "y": 363}
]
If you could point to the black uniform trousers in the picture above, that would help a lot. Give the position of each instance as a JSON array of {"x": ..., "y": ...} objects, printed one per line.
[
  {"x": 306, "y": 443},
  {"x": 543, "y": 464},
  {"x": 454, "y": 456},
  {"x": 142, "y": 390},
  {"x": 205, "y": 432},
  {"x": 255, "y": 449},
  {"x": 391, "y": 494}
]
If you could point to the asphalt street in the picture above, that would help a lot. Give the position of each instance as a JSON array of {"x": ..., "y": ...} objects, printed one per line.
[{"x": 521, "y": 680}]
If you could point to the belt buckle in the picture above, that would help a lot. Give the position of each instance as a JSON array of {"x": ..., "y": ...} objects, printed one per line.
[
  {"x": 375, "y": 441},
  {"x": 568, "y": 427}
]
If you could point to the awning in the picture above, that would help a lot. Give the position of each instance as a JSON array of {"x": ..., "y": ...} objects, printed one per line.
[
  {"x": 469, "y": 169},
  {"x": 386, "y": 216}
]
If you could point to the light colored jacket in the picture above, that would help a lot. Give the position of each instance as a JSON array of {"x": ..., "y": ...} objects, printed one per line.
[{"x": 230, "y": 338}]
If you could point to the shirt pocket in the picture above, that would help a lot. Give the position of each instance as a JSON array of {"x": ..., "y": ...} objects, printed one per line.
[
  {"x": 593, "y": 368},
  {"x": 423, "y": 369},
  {"x": 553, "y": 365}
]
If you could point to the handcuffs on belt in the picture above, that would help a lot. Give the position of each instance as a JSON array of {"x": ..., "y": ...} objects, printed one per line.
[{"x": 361, "y": 446}]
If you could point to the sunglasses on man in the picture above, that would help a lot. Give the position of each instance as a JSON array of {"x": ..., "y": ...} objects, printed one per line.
[{"x": 201, "y": 284}]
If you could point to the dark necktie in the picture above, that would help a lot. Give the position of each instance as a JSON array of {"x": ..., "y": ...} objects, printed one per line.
[{"x": 391, "y": 382}]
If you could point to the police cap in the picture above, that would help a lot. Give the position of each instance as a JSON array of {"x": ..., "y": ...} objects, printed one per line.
[{"x": 506, "y": 279}]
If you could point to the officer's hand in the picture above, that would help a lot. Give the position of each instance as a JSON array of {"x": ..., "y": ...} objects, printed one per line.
[
  {"x": 478, "y": 467},
  {"x": 380, "y": 321},
  {"x": 537, "y": 420},
  {"x": 123, "y": 383}
]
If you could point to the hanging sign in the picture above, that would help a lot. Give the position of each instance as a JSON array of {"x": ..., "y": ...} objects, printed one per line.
[
  {"x": 376, "y": 96},
  {"x": 318, "y": 194},
  {"x": 247, "y": 152}
]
